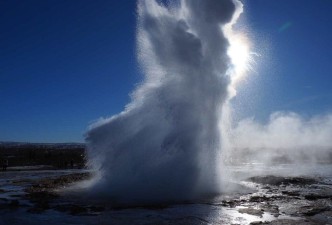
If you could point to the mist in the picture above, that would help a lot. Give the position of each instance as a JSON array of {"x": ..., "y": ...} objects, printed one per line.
[{"x": 287, "y": 137}]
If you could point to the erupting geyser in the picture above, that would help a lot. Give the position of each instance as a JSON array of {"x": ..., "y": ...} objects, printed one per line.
[{"x": 165, "y": 145}]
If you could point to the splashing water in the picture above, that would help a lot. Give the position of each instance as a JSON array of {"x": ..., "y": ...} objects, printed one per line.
[{"x": 165, "y": 146}]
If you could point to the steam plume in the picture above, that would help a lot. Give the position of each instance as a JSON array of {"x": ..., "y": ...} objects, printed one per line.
[
  {"x": 287, "y": 137},
  {"x": 165, "y": 145}
]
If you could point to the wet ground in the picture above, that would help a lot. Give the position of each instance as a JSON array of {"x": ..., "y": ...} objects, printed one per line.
[{"x": 273, "y": 196}]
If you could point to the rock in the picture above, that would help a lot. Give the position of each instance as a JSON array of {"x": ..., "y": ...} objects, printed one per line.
[
  {"x": 251, "y": 211},
  {"x": 230, "y": 203},
  {"x": 282, "y": 181},
  {"x": 312, "y": 210},
  {"x": 313, "y": 197},
  {"x": 273, "y": 209},
  {"x": 291, "y": 193},
  {"x": 289, "y": 222},
  {"x": 258, "y": 198}
]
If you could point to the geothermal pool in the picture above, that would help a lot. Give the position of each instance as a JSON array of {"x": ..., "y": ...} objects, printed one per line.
[{"x": 258, "y": 193}]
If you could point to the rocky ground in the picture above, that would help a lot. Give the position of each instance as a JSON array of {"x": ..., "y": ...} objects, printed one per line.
[
  {"x": 287, "y": 200},
  {"x": 308, "y": 200}
]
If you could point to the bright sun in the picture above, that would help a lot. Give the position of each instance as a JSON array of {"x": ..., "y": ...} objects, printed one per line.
[{"x": 239, "y": 53}]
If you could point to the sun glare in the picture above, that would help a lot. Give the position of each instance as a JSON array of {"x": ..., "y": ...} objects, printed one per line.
[{"x": 239, "y": 53}]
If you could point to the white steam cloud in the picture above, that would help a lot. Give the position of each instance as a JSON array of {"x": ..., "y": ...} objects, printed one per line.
[
  {"x": 285, "y": 138},
  {"x": 165, "y": 146}
]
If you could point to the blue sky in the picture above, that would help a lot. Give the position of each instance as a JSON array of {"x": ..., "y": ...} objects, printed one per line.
[
  {"x": 64, "y": 64},
  {"x": 294, "y": 71}
]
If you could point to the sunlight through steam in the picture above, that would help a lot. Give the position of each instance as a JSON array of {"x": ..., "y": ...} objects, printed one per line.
[{"x": 240, "y": 55}]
